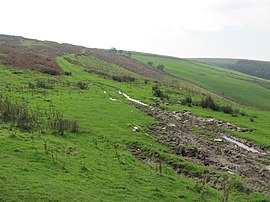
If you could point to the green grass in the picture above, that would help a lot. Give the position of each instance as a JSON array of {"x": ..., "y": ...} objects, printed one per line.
[
  {"x": 93, "y": 63},
  {"x": 92, "y": 165},
  {"x": 139, "y": 90},
  {"x": 231, "y": 84}
]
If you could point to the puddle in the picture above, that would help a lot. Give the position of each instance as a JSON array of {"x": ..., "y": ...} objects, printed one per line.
[
  {"x": 131, "y": 99},
  {"x": 239, "y": 144},
  {"x": 112, "y": 99}
]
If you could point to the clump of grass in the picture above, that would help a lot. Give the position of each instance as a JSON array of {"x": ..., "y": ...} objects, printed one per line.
[
  {"x": 82, "y": 85},
  {"x": 23, "y": 117},
  {"x": 41, "y": 84},
  {"x": 61, "y": 125},
  {"x": 208, "y": 102},
  {"x": 187, "y": 100},
  {"x": 159, "y": 93},
  {"x": 18, "y": 113},
  {"x": 123, "y": 78}
]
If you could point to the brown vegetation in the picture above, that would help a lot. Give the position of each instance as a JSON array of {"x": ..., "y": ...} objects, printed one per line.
[
  {"x": 38, "y": 57},
  {"x": 129, "y": 64}
]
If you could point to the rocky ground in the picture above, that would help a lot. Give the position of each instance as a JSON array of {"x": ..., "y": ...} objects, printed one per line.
[{"x": 203, "y": 141}]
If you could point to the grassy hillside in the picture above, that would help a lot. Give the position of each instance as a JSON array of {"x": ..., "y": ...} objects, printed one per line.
[
  {"x": 69, "y": 135},
  {"x": 91, "y": 165},
  {"x": 251, "y": 67},
  {"x": 231, "y": 84}
]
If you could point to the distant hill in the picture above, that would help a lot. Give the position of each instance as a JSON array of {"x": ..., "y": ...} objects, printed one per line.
[
  {"x": 252, "y": 67},
  {"x": 41, "y": 56},
  {"x": 240, "y": 87}
]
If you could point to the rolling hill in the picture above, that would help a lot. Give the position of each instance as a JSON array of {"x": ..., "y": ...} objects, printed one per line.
[
  {"x": 82, "y": 124},
  {"x": 252, "y": 67},
  {"x": 239, "y": 87}
]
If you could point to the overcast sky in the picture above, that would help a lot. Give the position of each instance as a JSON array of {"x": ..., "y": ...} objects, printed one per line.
[{"x": 183, "y": 28}]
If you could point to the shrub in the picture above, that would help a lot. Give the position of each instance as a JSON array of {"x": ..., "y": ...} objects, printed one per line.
[
  {"x": 41, "y": 84},
  {"x": 187, "y": 100},
  {"x": 208, "y": 102},
  {"x": 227, "y": 109},
  {"x": 68, "y": 73},
  {"x": 20, "y": 114},
  {"x": 150, "y": 63},
  {"x": 31, "y": 85},
  {"x": 123, "y": 78},
  {"x": 158, "y": 93},
  {"x": 82, "y": 85},
  {"x": 62, "y": 125}
]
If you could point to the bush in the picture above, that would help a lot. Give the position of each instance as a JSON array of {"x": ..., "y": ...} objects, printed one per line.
[
  {"x": 31, "y": 85},
  {"x": 208, "y": 102},
  {"x": 68, "y": 73},
  {"x": 158, "y": 93},
  {"x": 123, "y": 78},
  {"x": 82, "y": 85},
  {"x": 187, "y": 100},
  {"x": 41, "y": 84},
  {"x": 227, "y": 109},
  {"x": 62, "y": 125},
  {"x": 20, "y": 114}
]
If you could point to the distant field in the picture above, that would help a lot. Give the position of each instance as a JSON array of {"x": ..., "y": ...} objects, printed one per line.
[
  {"x": 239, "y": 87},
  {"x": 251, "y": 67}
]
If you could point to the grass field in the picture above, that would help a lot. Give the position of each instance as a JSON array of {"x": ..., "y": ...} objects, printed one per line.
[
  {"x": 143, "y": 92},
  {"x": 93, "y": 164},
  {"x": 239, "y": 87}
]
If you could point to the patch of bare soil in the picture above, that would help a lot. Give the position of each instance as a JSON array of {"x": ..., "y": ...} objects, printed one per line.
[{"x": 202, "y": 141}]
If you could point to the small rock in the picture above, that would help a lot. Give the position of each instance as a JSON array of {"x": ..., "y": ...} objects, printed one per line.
[
  {"x": 184, "y": 122},
  {"x": 171, "y": 125},
  {"x": 17, "y": 72},
  {"x": 136, "y": 128},
  {"x": 47, "y": 100},
  {"x": 230, "y": 172},
  {"x": 211, "y": 120}
]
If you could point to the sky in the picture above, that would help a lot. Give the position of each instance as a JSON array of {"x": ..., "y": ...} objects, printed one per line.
[{"x": 182, "y": 28}]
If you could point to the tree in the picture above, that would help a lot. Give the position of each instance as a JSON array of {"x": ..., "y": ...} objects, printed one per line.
[
  {"x": 150, "y": 63},
  {"x": 113, "y": 50},
  {"x": 161, "y": 67}
]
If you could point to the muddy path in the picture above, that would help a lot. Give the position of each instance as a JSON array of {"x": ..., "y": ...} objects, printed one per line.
[{"x": 203, "y": 142}]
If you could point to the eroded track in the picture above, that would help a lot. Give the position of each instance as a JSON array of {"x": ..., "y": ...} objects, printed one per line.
[{"x": 201, "y": 141}]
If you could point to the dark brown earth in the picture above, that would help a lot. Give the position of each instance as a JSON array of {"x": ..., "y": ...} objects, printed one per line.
[{"x": 200, "y": 140}]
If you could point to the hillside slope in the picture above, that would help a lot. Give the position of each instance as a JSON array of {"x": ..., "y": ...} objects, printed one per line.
[
  {"x": 91, "y": 125},
  {"x": 239, "y": 87},
  {"x": 252, "y": 67}
]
